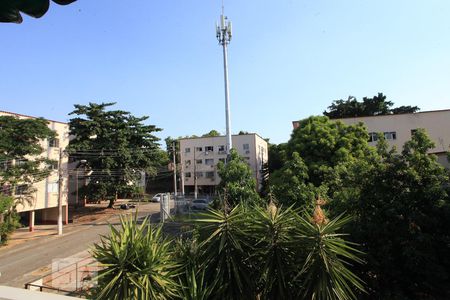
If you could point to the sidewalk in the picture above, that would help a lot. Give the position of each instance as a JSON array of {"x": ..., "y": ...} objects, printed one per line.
[{"x": 90, "y": 215}]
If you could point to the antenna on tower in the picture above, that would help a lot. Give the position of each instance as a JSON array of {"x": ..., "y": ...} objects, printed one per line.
[{"x": 224, "y": 34}]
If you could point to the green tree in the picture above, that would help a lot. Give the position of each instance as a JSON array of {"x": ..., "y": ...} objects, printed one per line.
[
  {"x": 324, "y": 144},
  {"x": 116, "y": 146},
  {"x": 212, "y": 133},
  {"x": 377, "y": 105},
  {"x": 10, "y": 10},
  {"x": 21, "y": 165},
  {"x": 237, "y": 183},
  {"x": 400, "y": 206}
]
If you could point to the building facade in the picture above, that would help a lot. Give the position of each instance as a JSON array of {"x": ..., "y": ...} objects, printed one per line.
[
  {"x": 199, "y": 158},
  {"x": 398, "y": 129},
  {"x": 42, "y": 206}
]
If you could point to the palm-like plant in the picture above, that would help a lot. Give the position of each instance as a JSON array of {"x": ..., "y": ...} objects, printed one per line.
[
  {"x": 137, "y": 263},
  {"x": 226, "y": 253},
  {"x": 324, "y": 273},
  {"x": 274, "y": 253}
]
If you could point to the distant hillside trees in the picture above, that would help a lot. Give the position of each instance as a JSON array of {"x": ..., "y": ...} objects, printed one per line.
[{"x": 377, "y": 105}]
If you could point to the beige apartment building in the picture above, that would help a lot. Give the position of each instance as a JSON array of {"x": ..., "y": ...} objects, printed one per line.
[
  {"x": 199, "y": 158},
  {"x": 398, "y": 129},
  {"x": 43, "y": 206}
]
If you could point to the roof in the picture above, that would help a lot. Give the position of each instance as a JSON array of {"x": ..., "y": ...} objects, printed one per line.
[
  {"x": 26, "y": 116},
  {"x": 390, "y": 115},
  {"x": 219, "y": 136}
]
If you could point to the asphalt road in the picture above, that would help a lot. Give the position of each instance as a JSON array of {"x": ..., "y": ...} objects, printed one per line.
[{"x": 17, "y": 263}]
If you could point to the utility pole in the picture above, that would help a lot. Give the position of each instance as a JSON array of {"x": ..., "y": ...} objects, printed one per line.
[
  {"x": 174, "y": 169},
  {"x": 224, "y": 34},
  {"x": 60, "y": 186},
  {"x": 195, "y": 175}
]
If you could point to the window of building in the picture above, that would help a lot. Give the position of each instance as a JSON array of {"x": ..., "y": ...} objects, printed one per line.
[
  {"x": 222, "y": 160},
  {"x": 209, "y": 174},
  {"x": 21, "y": 189},
  {"x": 198, "y": 161},
  {"x": 209, "y": 161},
  {"x": 53, "y": 142},
  {"x": 54, "y": 165},
  {"x": 7, "y": 164},
  {"x": 246, "y": 146},
  {"x": 390, "y": 135},
  {"x": 221, "y": 149},
  {"x": 373, "y": 136},
  {"x": 209, "y": 148},
  {"x": 187, "y": 150},
  {"x": 199, "y": 149},
  {"x": 187, "y": 174},
  {"x": 187, "y": 163},
  {"x": 52, "y": 187},
  {"x": 199, "y": 174}
]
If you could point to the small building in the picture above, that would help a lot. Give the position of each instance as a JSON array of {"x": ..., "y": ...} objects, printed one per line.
[
  {"x": 199, "y": 158},
  {"x": 42, "y": 206},
  {"x": 398, "y": 129}
]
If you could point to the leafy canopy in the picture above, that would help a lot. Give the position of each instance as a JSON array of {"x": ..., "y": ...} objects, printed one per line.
[
  {"x": 116, "y": 148},
  {"x": 237, "y": 183},
  {"x": 377, "y": 105}
]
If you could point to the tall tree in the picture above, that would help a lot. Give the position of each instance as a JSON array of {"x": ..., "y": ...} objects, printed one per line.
[
  {"x": 116, "y": 146},
  {"x": 237, "y": 183},
  {"x": 10, "y": 10},
  {"x": 21, "y": 165},
  {"x": 377, "y": 105},
  {"x": 400, "y": 206}
]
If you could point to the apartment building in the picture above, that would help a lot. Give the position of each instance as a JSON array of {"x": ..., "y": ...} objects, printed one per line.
[
  {"x": 43, "y": 205},
  {"x": 398, "y": 129},
  {"x": 199, "y": 158}
]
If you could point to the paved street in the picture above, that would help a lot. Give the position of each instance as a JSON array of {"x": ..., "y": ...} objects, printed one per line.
[{"x": 16, "y": 263}]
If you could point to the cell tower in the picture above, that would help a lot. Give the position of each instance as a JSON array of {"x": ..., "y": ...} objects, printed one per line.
[{"x": 224, "y": 34}]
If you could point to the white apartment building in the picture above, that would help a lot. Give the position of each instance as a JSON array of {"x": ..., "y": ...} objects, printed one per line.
[
  {"x": 199, "y": 158},
  {"x": 43, "y": 206},
  {"x": 398, "y": 129}
]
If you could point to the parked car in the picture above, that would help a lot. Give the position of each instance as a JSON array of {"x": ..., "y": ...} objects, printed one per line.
[
  {"x": 200, "y": 204},
  {"x": 157, "y": 197}
]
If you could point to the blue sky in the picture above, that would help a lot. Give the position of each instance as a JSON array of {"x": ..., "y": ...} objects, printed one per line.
[{"x": 288, "y": 59}]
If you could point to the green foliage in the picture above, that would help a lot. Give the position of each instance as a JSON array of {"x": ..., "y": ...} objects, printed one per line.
[
  {"x": 273, "y": 253},
  {"x": 378, "y": 105},
  {"x": 8, "y": 217},
  {"x": 249, "y": 252},
  {"x": 400, "y": 207},
  {"x": 19, "y": 149},
  {"x": 212, "y": 133},
  {"x": 237, "y": 182},
  {"x": 116, "y": 147},
  {"x": 10, "y": 10},
  {"x": 137, "y": 263},
  {"x": 324, "y": 144}
]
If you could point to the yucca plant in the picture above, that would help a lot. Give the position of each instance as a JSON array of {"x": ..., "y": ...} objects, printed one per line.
[
  {"x": 137, "y": 263},
  {"x": 225, "y": 259},
  {"x": 274, "y": 251},
  {"x": 325, "y": 272}
]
